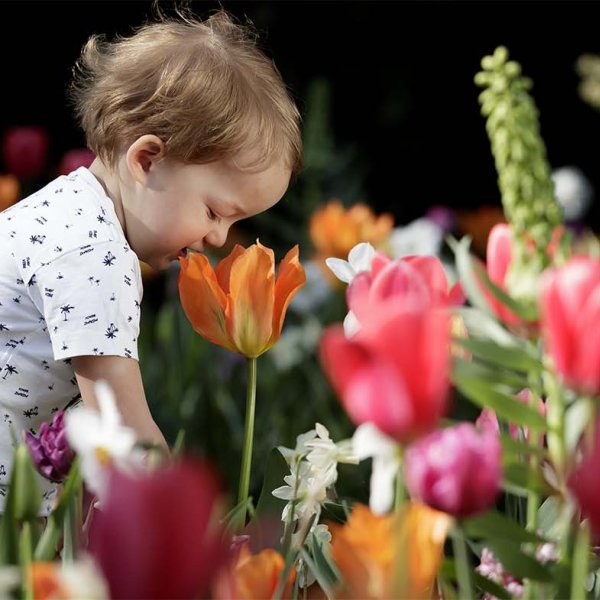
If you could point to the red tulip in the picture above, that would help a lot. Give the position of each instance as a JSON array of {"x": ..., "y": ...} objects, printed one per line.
[
  {"x": 394, "y": 371},
  {"x": 457, "y": 470},
  {"x": 570, "y": 316},
  {"x": 585, "y": 484},
  {"x": 73, "y": 159},
  {"x": 25, "y": 150},
  {"x": 156, "y": 535}
]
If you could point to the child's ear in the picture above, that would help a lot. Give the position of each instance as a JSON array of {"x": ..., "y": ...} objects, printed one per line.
[{"x": 143, "y": 154}]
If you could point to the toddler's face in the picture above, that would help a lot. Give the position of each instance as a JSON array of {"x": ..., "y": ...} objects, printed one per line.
[{"x": 193, "y": 206}]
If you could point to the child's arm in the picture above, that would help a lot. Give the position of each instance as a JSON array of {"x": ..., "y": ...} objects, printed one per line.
[{"x": 124, "y": 377}]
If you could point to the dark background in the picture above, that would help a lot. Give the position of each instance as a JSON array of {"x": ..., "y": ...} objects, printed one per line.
[{"x": 401, "y": 74}]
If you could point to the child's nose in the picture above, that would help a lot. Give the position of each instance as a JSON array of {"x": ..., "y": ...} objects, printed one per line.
[{"x": 217, "y": 236}]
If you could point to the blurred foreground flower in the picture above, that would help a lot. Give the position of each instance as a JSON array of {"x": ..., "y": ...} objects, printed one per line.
[
  {"x": 25, "y": 150},
  {"x": 253, "y": 576},
  {"x": 457, "y": 469},
  {"x": 573, "y": 191},
  {"x": 69, "y": 581},
  {"x": 394, "y": 371},
  {"x": 157, "y": 534},
  {"x": 100, "y": 439},
  {"x": 570, "y": 307},
  {"x": 50, "y": 450},
  {"x": 395, "y": 556},
  {"x": 239, "y": 305}
]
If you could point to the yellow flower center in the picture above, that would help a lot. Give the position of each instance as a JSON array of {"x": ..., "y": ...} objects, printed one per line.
[{"x": 103, "y": 456}]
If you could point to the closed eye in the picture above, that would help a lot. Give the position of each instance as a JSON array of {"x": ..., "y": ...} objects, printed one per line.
[{"x": 212, "y": 216}]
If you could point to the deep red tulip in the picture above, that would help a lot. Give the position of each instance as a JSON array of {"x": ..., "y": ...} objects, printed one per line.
[
  {"x": 25, "y": 150},
  {"x": 394, "y": 371},
  {"x": 157, "y": 534},
  {"x": 457, "y": 470},
  {"x": 73, "y": 159},
  {"x": 570, "y": 320}
]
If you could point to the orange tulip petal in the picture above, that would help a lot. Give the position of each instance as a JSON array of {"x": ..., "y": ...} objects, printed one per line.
[
  {"x": 290, "y": 278},
  {"x": 223, "y": 269},
  {"x": 249, "y": 312},
  {"x": 203, "y": 300}
]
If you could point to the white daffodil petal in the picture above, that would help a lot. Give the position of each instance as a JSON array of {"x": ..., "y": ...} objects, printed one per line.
[
  {"x": 361, "y": 257},
  {"x": 351, "y": 324},
  {"x": 82, "y": 426},
  {"x": 107, "y": 403},
  {"x": 383, "y": 474},
  {"x": 341, "y": 269},
  {"x": 368, "y": 441}
]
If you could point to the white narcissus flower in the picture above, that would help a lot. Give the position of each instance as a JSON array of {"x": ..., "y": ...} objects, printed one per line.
[
  {"x": 324, "y": 452},
  {"x": 369, "y": 441},
  {"x": 420, "y": 237},
  {"x": 359, "y": 260},
  {"x": 100, "y": 439}
]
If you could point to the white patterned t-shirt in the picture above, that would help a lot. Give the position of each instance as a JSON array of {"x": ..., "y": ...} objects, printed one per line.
[{"x": 70, "y": 285}]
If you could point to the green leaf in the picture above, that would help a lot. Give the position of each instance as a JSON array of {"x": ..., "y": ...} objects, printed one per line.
[
  {"x": 24, "y": 485},
  {"x": 482, "y": 371},
  {"x": 519, "y": 564},
  {"x": 481, "y": 325},
  {"x": 518, "y": 448},
  {"x": 322, "y": 573},
  {"x": 46, "y": 547},
  {"x": 518, "y": 478},
  {"x": 484, "y": 394},
  {"x": 179, "y": 445},
  {"x": 276, "y": 469},
  {"x": 323, "y": 561},
  {"x": 512, "y": 357},
  {"x": 493, "y": 524},
  {"x": 233, "y": 521},
  {"x": 577, "y": 417}
]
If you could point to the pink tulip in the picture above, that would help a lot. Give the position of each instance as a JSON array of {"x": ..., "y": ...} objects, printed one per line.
[
  {"x": 394, "y": 372},
  {"x": 570, "y": 318},
  {"x": 73, "y": 159},
  {"x": 456, "y": 470},
  {"x": 413, "y": 280},
  {"x": 498, "y": 257},
  {"x": 25, "y": 150},
  {"x": 585, "y": 484},
  {"x": 156, "y": 535}
]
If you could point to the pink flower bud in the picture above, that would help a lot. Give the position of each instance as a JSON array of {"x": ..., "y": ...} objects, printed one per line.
[
  {"x": 73, "y": 159},
  {"x": 456, "y": 470},
  {"x": 570, "y": 310},
  {"x": 25, "y": 150}
]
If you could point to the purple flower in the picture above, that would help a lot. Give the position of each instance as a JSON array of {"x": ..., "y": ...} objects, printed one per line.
[
  {"x": 456, "y": 470},
  {"x": 51, "y": 453}
]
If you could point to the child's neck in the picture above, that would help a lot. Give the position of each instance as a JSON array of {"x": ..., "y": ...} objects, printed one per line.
[{"x": 109, "y": 180}]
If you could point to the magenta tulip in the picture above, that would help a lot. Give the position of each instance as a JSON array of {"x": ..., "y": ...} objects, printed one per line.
[
  {"x": 456, "y": 470},
  {"x": 570, "y": 320},
  {"x": 50, "y": 450},
  {"x": 157, "y": 534},
  {"x": 395, "y": 371},
  {"x": 73, "y": 159},
  {"x": 585, "y": 484},
  {"x": 25, "y": 150}
]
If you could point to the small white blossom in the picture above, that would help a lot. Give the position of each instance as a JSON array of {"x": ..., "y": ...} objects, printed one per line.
[
  {"x": 419, "y": 237},
  {"x": 573, "y": 191},
  {"x": 100, "y": 439},
  {"x": 369, "y": 441},
  {"x": 359, "y": 260}
]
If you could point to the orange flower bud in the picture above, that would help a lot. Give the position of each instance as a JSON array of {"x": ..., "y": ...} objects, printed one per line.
[{"x": 10, "y": 190}]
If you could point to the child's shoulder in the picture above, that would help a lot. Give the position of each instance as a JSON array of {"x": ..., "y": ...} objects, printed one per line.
[{"x": 68, "y": 214}]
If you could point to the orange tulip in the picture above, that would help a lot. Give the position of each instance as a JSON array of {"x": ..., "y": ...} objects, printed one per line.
[
  {"x": 10, "y": 190},
  {"x": 391, "y": 556},
  {"x": 240, "y": 305},
  {"x": 335, "y": 230},
  {"x": 253, "y": 577}
]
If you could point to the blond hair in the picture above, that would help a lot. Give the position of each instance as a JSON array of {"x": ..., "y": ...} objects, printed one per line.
[{"x": 203, "y": 87}]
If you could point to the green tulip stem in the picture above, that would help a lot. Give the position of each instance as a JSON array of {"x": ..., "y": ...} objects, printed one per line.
[
  {"x": 462, "y": 564},
  {"x": 73, "y": 525},
  {"x": 581, "y": 560},
  {"x": 248, "y": 438}
]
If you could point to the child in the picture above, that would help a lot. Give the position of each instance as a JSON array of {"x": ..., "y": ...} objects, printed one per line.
[{"x": 193, "y": 129}]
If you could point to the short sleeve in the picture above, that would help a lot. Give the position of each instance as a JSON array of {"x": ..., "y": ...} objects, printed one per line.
[{"x": 90, "y": 299}]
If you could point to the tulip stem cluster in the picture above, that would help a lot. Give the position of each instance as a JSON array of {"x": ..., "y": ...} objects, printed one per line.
[
  {"x": 463, "y": 566},
  {"x": 248, "y": 438}
]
